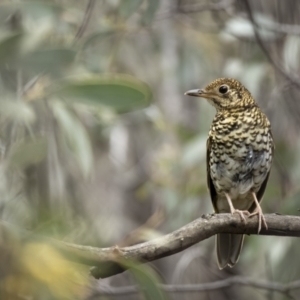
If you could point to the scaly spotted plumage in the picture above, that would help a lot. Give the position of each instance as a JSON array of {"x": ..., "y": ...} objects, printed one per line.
[{"x": 239, "y": 156}]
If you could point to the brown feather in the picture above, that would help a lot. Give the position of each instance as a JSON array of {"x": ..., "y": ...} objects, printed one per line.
[{"x": 210, "y": 185}]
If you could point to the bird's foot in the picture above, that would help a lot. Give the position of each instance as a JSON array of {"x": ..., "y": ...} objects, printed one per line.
[
  {"x": 258, "y": 211},
  {"x": 241, "y": 213},
  {"x": 261, "y": 218}
]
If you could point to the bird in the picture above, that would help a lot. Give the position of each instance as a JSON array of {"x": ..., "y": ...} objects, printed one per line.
[{"x": 240, "y": 149}]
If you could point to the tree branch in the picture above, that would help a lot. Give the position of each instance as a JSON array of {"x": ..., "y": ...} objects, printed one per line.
[{"x": 112, "y": 260}]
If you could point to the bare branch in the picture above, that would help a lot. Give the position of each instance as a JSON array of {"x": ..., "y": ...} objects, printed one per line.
[
  {"x": 260, "y": 42},
  {"x": 227, "y": 5},
  {"x": 109, "y": 260},
  {"x": 112, "y": 260}
]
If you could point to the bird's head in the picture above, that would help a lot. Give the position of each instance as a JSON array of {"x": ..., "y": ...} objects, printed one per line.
[{"x": 224, "y": 93}]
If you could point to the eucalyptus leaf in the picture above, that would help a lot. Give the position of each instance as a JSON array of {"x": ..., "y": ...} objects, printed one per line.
[
  {"x": 28, "y": 152},
  {"x": 48, "y": 60},
  {"x": 147, "y": 280},
  {"x": 97, "y": 37},
  {"x": 122, "y": 93},
  {"x": 148, "y": 16},
  {"x": 33, "y": 9},
  {"x": 40, "y": 9},
  {"x": 10, "y": 48},
  {"x": 17, "y": 111},
  {"x": 128, "y": 7},
  {"x": 76, "y": 136}
]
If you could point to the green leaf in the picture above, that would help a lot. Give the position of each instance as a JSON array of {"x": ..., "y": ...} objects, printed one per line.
[
  {"x": 147, "y": 280},
  {"x": 10, "y": 48},
  {"x": 35, "y": 10},
  {"x": 76, "y": 136},
  {"x": 150, "y": 11},
  {"x": 128, "y": 7},
  {"x": 40, "y": 9},
  {"x": 121, "y": 92},
  {"x": 28, "y": 152},
  {"x": 17, "y": 111},
  {"x": 98, "y": 36},
  {"x": 48, "y": 60}
]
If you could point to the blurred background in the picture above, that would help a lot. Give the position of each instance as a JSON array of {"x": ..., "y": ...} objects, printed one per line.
[{"x": 99, "y": 146}]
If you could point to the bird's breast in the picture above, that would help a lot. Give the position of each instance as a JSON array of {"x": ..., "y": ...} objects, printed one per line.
[{"x": 240, "y": 160}]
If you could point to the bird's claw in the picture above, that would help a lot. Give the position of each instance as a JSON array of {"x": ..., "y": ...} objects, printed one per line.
[
  {"x": 261, "y": 219},
  {"x": 241, "y": 213}
]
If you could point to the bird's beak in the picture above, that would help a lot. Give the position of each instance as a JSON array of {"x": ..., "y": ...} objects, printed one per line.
[{"x": 196, "y": 93}]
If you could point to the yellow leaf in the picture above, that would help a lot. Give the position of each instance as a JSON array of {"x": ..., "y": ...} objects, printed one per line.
[{"x": 51, "y": 270}]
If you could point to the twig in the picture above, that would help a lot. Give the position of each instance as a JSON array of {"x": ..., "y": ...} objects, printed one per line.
[
  {"x": 265, "y": 50},
  {"x": 290, "y": 29},
  {"x": 86, "y": 19}
]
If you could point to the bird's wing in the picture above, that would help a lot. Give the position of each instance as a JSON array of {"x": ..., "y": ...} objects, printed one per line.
[
  {"x": 210, "y": 185},
  {"x": 262, "y": 189}
]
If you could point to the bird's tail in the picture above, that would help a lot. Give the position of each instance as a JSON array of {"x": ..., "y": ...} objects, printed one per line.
[{"x": 229, "y": 247}]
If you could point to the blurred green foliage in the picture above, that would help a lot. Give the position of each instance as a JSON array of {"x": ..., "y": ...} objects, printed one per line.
[{"x": 96, "y": 135}]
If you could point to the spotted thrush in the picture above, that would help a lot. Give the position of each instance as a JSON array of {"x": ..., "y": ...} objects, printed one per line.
[{"x": 240, "y": 150}]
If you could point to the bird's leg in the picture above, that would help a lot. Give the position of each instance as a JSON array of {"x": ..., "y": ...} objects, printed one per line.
[
  {"x": 261, "y": 218},
  {"x": 241, "y": 213}
]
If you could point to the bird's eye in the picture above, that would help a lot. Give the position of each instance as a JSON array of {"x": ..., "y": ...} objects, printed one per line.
[{"x": 223, "y": 89}]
